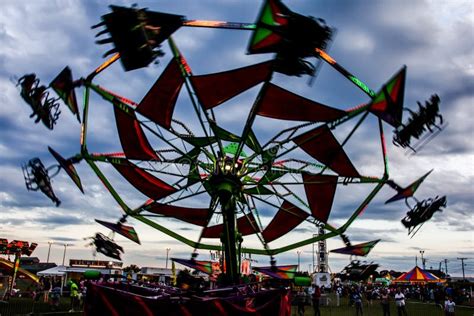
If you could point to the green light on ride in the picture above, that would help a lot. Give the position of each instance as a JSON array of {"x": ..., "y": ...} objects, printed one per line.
[
  {"x": 363, "y": 86},
  {"x": 232, "y": 149}
]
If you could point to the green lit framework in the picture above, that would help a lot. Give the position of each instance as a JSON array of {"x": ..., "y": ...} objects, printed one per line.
[{"x": 204, "y": 118}]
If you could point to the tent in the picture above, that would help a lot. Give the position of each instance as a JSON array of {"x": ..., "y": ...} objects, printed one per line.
[
  {"x": 417, "y": 275},
  {"x": 54, "y": 271},
  {"x": 383, "y": 281},
  {"x": 58, "y": 271}
]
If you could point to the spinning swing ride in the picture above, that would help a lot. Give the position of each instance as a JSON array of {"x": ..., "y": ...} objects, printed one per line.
[{"x": 235, "y": 173}]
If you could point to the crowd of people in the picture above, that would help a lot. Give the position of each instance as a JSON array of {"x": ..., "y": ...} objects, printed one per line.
[
  {"x": 445, "y": 297},
  {"x": 49, "y": 290}
]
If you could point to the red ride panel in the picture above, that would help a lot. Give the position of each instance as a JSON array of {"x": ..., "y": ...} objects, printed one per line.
[
  {"x": 134, "y": 142},
  {"x": 196, "y": 216},
  {"x": 321, "y": 144},
  {"x": 214, "y": 89},
  {"x": 246, "y": 225},
  {"x": 288, "y": 217},
  {"x": 320, "y": 190},
  {"x": 144, "y": 182},
  {"x": 158, "y": 104},
  {"x": 281, "y": 104}
]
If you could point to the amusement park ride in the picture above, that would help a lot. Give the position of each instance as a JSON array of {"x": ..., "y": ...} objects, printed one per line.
[
  {"x": 16, "y": 248},
  {"x": 235, "y": 172}
]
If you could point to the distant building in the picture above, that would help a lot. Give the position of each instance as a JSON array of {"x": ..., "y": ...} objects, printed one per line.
[
  {"x": 154, "y": 274},
  {"x": 461, "y": 279},
  {"x": 33, "y": 264},
  {"x": 77, "y": 267}
]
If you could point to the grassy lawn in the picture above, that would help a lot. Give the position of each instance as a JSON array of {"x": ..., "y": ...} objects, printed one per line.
[
  {"x": 413, "y": 308},
  {"x": 24, "y": 306}
]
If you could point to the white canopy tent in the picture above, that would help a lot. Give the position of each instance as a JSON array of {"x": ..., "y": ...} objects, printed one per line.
[
  {"x": 58, "y": 271},
  {"x": 54, "y": 271}
]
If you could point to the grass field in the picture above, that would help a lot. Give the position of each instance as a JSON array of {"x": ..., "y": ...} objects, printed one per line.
[
  {"x": 24, "y": 306},
  {"x": 413, "y": 309}
]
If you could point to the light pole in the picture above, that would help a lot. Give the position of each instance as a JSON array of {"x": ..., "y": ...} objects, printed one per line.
[
  {"x": 462, "y": 265},
  {"x": 167, "y": 252},
  {"x": 64, "y": 253},
  {"x": 298, "y": 252},
  {"x": 422, "y": 260},
  {"x": 49, "y": 250}
]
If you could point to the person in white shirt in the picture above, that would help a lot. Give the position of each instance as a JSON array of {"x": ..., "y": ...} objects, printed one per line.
[
  {"x": 338, "y": 295},
  {"x": 449, "y": 307},
  {"x": 400, "y": 303}
]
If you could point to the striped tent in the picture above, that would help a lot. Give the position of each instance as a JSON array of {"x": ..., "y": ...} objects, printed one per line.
[{"x": 417, "y": 275}]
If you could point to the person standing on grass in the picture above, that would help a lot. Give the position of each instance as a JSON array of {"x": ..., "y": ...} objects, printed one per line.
[
  {"x": 400, "y": 302},
  {"x": 74, "y": 295},
  {"x": 300, "y": 301},
  {"x": 46, "y": 289},
  {"x": 449, "y": 306},
  {"x": 385, "y": 301},
  {"x": 315, "y": 296},
  {"x": 55, "y": 296},
  {"x": 338, "y": 295},
  {"x": 357, "y": 298}
]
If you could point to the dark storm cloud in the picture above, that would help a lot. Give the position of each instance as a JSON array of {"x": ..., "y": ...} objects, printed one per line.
[
  {"x": 62, "y": 220},
  {"x": 303, "y": 230},
  {"x": 12, "y": 221},
  {"x": 174, "y": 254},
  {"x": 459, "y": 223},
  {"x": 63, "y": 239},
  {"x": 46, "y": 219},
  {"x": 398, "y": 258},
  {"x": 418, "y": 248},
  {"x": 7, "y": 125},
  {"x": 23, "y": 198},
  {"x": 267, "y": 211},
  {"x": 359, "y": 235},
  {"x": 186, "y": 229},
  {"x": 375, "y": 210},
  {"x": 167, "y": 241}
]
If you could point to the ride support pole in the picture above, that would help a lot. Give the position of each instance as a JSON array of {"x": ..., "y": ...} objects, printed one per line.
[{"x": 229, "y": 241}]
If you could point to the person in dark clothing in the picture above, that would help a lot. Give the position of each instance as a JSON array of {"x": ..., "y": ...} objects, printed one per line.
[
  {"x": 300, "y": 301},
  {"x": 46, "y": 289},
  {"x": 385, "y": 301},
  {"x": 55, "y": 296},
  {"x": 316, "y": 295}
]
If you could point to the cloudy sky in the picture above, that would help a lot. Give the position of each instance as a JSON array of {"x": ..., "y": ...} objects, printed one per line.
[{"x": 374, "y": 39}]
